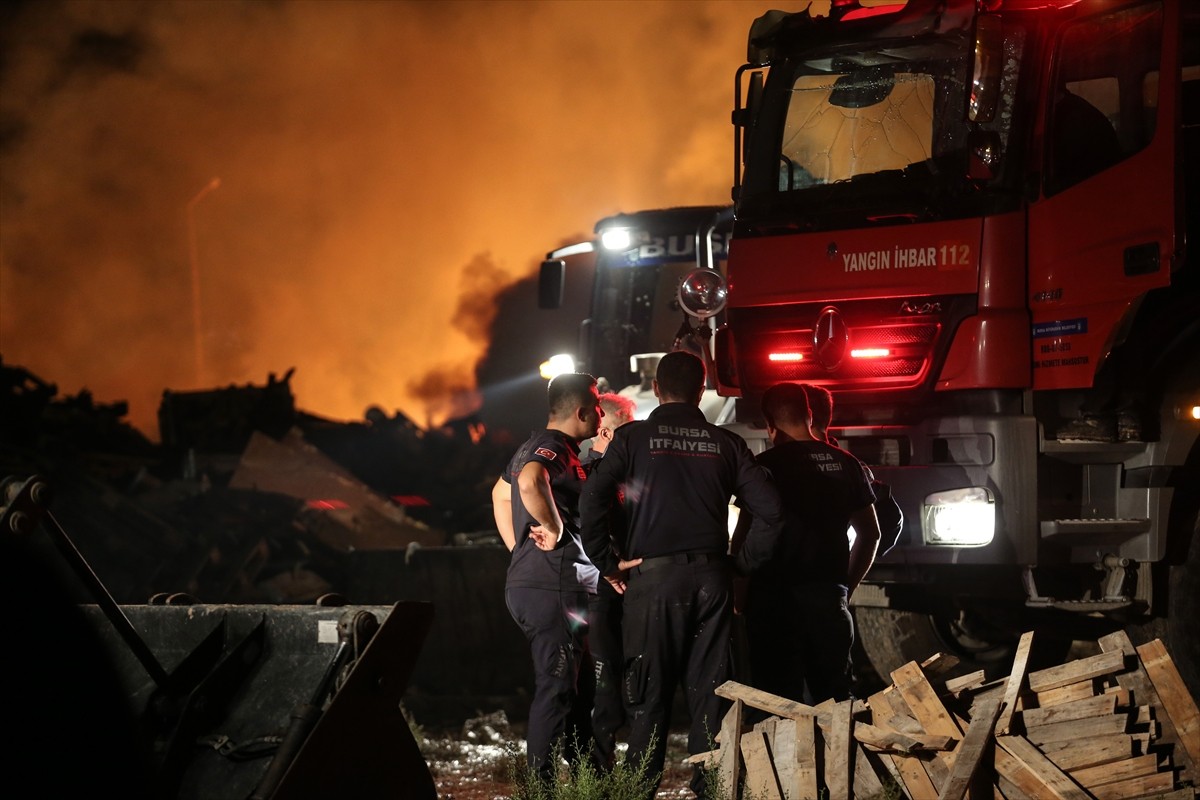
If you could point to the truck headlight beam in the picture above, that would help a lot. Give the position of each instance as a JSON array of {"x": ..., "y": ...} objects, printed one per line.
[{"x": 959, "y": 518}]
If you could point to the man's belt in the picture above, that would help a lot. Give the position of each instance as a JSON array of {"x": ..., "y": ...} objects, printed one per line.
[{"x": 678, "y": 558}]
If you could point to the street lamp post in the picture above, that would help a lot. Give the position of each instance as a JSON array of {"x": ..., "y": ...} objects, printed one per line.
[{"x": 194, "y": 260}]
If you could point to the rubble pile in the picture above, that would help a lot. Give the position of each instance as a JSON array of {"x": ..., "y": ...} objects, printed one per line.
[
  {"x": 247, "y": 499},
  {"x": 1117, "y": 725}
]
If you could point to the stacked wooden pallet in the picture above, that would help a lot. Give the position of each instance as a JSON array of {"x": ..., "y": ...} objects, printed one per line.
[{"x": 1116, "y": 726}]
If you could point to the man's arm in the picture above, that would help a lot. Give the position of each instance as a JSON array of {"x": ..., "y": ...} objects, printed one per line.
[
  {"x": 502, "y": 511},
  {"x": 596, "y": 504},
  {"x": 866, "y": 541},
  {"x": 758, "y": 495},
  {"x": 533, "y": 482}
]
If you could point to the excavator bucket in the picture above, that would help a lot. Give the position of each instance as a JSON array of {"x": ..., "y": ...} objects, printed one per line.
[{"x": 206, "y": 702}]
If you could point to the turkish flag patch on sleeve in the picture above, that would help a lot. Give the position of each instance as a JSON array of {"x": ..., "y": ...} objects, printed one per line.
[{"x": 545, "y": 452}]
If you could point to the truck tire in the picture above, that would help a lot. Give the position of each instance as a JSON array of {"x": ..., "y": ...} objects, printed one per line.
[
  {"x": 891, "y": 638},
  {"x": 1182, "y": 606}
]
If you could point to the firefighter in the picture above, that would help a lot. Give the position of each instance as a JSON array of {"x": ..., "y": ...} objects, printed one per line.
[
  {"x": 678, "y": 473},
  {"x": 887, "y": 510},
  {"x": 549, "y": 581},
  {"x": 798, "y": 621},
  {"x": 604, "y": 624}
]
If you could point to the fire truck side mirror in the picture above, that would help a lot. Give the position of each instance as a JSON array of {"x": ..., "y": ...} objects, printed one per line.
[{"x": 550, "y": 283}]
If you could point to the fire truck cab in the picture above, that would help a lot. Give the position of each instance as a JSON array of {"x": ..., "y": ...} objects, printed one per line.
[{"x": 968, "y": 219}]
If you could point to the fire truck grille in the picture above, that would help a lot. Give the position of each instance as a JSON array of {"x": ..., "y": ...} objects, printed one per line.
[{"x": 874, "y": 357}]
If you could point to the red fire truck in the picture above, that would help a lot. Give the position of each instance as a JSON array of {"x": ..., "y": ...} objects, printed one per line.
[{"x": 966, "y": 218}]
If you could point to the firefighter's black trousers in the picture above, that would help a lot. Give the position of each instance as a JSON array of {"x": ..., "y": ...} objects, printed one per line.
[
  {"x": 678, "y": 616},
  {"x": 800, "y": 637},
  {"x": 604, "y": 642},
  {"x": 556, "y": 625}
]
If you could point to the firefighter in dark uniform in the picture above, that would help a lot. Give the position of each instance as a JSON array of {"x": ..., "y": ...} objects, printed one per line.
[
  {"x": 678, "y": 473},
  {"x": 536, "y": 508},
  {"x": 797, "y": 613},
  {"x": 604, "y": 622}
]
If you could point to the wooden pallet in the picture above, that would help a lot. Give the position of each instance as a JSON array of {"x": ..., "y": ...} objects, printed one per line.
[{"x": 1118, "y": 725}]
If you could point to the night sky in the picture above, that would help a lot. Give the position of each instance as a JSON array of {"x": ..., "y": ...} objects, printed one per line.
[{"x": 386, "y": 171}]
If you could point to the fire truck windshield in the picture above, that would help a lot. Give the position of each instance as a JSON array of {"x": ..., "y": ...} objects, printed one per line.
[{"x": 877, "y": 121}]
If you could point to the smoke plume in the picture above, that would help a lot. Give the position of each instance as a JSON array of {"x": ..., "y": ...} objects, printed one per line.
[{"x": 383, "y": 171}]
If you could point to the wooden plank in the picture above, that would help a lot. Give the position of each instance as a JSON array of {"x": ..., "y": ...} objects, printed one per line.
[
  {"x": 1142, "y": 692},
  {"x": 806, "y": 760},
  {"x": 1077, "y": 729},
  {"x": 1174, "y": 696},
  {"x": 990, "y": 689},
  {"x": 1055, "y": 783},
  {"x": 1017, "y": 776},
  {"x": 1121, "y": 693},
  {"x": 1067, "y": 694},
  {"x": 839, "y": 764},
  {"x": 970, "y": 752},
  {"x": 1074, "y": 671},
  {"x": 894, "y": 741},
  {"x": 972, "y": 680},
  {"x": 939, "y": 664},
  {"x": 760, "y": 771},
  {"x": 866, "y": 782},
  {"x": 765, "y": 701},
  {"x": 1009, "y": 789},
  {"x": 729, "y": 767},
  {"x": 783, "y": 754},
  {"x": 1016, "y": 679},
  {"x": 1136, "y": 787},
  {"x": 1077, "y": 755},
  {"x": 917, "y": 692},
  {"x": 1091, "y": 777},
  {"x": 909, "y": 772},
  {"x": 1093, "y": 706},
  {"x": 767, "y": 727}
]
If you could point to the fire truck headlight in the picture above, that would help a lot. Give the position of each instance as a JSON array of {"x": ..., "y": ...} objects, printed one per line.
[
  {"x": 616, "y": 239},
  {"x": 702, "y": 293},
  {"x": 959, "y": 517},
  {"x": 557, "y": 365}
]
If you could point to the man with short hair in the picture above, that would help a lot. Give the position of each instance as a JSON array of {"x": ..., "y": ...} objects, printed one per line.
[
  {"x": 798, "y": 621},
  {"x": 604, "y": 628},
  {"x": 536, "y": 508},
  {"x": 678, "y": 473},
  {"x": 887, "y": 511}
]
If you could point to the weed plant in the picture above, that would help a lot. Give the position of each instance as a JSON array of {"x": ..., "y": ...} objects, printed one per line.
[{"x": 581, "y": 780}]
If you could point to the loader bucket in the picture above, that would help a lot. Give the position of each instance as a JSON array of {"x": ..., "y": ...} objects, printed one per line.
[
  {"x": 273, "y": 736},
  {"x": 211, "y": 702}
]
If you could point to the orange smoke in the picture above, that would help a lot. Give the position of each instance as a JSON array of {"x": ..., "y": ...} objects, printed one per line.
[{"x": 386, "y": 170}]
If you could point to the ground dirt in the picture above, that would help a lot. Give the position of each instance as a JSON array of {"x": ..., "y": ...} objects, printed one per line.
[{"x": 478, "y": 762}]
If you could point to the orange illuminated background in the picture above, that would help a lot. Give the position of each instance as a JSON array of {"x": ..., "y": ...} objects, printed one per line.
[{"x": 386, "y": 170}]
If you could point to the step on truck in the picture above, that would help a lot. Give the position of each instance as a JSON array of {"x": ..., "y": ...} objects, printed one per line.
[{"x": 969, "y": 219}]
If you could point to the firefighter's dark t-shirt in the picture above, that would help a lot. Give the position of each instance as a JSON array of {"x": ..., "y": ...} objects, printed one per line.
[
  {"x": 677, "y": 473},
  {"x": 566, "y": 567},
  {"x": 821, "y": 486}
]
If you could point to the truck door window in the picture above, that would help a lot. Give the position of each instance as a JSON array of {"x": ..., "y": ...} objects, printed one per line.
[{"x": 1105, "y": 94}]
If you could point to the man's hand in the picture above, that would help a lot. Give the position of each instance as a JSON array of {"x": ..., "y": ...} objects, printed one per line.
[
  {"x": 544, "y": 538},
  {"x": 617, "y": 579}
]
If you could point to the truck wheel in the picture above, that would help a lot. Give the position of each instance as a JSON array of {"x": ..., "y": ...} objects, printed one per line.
[
  {"x": 1182, "y": 605},
  {"x": 891, "y": 638}
]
